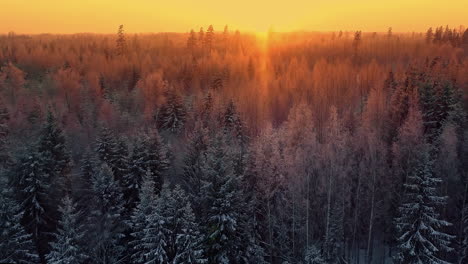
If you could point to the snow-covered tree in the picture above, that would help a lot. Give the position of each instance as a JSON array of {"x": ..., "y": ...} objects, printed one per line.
[
  {"x": 421, "y": 236},
  {"x": 119, "y": 163},
  {"x": 52, "y": 146},
  {"x": 106, "y": 222},
  {"x": 140, "y": 219},
  {"x": 156, "y": 160},
  {"x": 106, "y": 146},
  {"x": 164, "y": 230},
  {"x": 313, "y": 256},
  {"x": 222, "y": 198},
  {"x": 16, "y": 245},
  {"x": 193, "y": 165},
  {"x": 4, "y": 131},
  {"x": 31, "y": 187},
  {"x": 184, "y": 237},
  {"x": 68, "y": 244},
  {"x": 173, "y": 113}
]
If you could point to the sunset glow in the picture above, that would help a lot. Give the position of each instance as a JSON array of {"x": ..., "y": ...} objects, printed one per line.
[{"x": 72, "y": 16}]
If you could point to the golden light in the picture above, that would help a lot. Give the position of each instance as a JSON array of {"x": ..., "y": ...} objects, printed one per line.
[{"x": 103, "y": 16}]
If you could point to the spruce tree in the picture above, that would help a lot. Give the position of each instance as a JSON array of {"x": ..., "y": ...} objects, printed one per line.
[
  {"x": 421, "y": 238},
  {"x": 140, "y": 219},
  {"x": 221, "y": 195},
  {"x": 173, "y": 113},
  {"x": 55, "y": 158},
  {"x": 193, "y": 165},
  {"x": 31, "y": 186},
  {"x": 67, "y": 246},
  {"x": 106, "y": 146},
  {"x": 106, "y": 222},
  {"x": 184, "y": 237},
  {"x": 156, "y": 160},
  {"x": 137, "y": 170},
  {"x": 119, "y": 163},
  {"x": 4, "y": 131},
  {"x": 192, "y": 42},
  {"x": 16, "y": 245},
  {"x": 313, "y": 256},
  {"x": 209, "y": 38}
]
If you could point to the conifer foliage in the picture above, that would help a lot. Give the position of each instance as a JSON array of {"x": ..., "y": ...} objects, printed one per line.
[
  {"x": 68, "y": 244},
  {"x": 421, "y": 236}
]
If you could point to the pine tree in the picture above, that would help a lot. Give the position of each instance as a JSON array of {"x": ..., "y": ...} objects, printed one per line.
[
  {"x": 106, "y": 146},
  {"x": 55, "y": 158},
  {"x": 137, "y": 170},
  {"x": 149, "y": 155},
  {"x": 429, "y": 35},
  {"x": 333, "y": 245},
  {"x": 157, "y": 161},
  {"x": 31, "y": 186},
  {"x": 193, "y": 165},
  {"x": 421, "y": 238},
  {"x": 106, "y": 221},
  {"x": 4, "y": 131},
  {"x": 221, "y": 196},
  {"x": 140, "y": 219},
  {"x": 313, "y": 256},
  {"x": 67, "y": 247},
  {"x": 183, "y": 237},
  {"x": 209, "y": 38},
  {"x": 121, "y": 42},
  {"x": 16, "y": 246},
  {"x": 464, "y": 244},
  {"x": 192, "y": 42},
  {"x": 173, "y": 113},
  {"x": 230, "y": 117},
  {"x": 201, "y": 38},
  {"x": 154, "y": 240},
  {"x": 119, "y": 163}
]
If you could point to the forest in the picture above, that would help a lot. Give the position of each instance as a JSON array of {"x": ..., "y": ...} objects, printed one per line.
[{"x": 218, "y": 146}]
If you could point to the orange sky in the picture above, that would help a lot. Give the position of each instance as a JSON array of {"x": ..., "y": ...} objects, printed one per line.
[{"x": 104, "y": 16}]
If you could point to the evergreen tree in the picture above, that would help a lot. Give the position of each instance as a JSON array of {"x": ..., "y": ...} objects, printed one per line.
[
  {"x": 421, "y": 238},
  {"x": 16, "y": 246},
  {"x": 313, "y": 256},
  {"x": 106, "y": 221},
  {"x": 464, "y": 244},
  {"x": 67, "y": 247},
  {"x": 55, "y": 158},
  {"x": 4, "y": 131},
  {"x": 334, "y": 244},
  {"x": 201, "y": 37},
  {"x": 119, "y": 163},
  {"x": 31, "y": 186},
  {"x": 106, "y": 146},
  {"x": 156, "y": 160},
  {"x": 137, "y": 170},
  {"x": 192, "y": 42},
  {"x": 193, "y": 166},
  {"x": 221, "y": 196},
  {"x": 140, "y": 219},
  {"x": 183, "y": 238},
  {"x": 149, "y": 155},
  {"x": 429, "y": 35},
  {"x": 209, "y": 38},
  {"x": 173, "y": 113},
  {"x": 121, "y": 42}
]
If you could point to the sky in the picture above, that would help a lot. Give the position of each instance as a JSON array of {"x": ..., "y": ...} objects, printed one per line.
[{"x": 104, "y": 16}]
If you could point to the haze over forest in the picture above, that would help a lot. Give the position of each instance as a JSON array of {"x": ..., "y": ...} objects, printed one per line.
[{"x": 233, "y": 144}]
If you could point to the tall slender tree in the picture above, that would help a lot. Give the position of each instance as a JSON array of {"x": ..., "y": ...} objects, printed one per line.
[
  {"x": 68, "y": 244},
  {"x": 421, "y": 236},
  {"x": 16, "y": 245}
]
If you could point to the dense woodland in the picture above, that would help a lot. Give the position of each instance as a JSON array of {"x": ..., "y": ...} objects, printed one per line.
[{"x": 225, "y": 147}]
